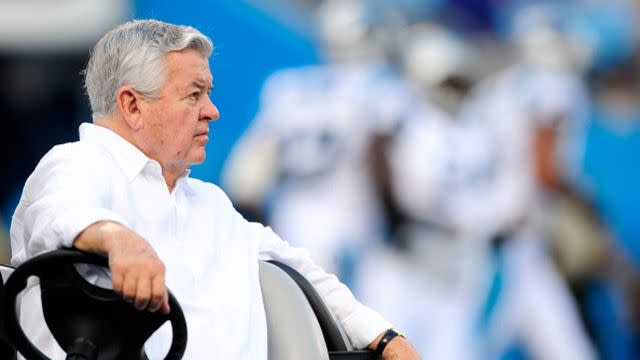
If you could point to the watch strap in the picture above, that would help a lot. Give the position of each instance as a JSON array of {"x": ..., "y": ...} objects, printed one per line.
[{"x": 384, "y": 341}]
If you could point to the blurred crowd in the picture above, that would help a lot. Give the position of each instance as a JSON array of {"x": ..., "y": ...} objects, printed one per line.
[{"x": 470, "y": 168}]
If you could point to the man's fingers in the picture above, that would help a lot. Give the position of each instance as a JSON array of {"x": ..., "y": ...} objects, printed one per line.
[
  {"x": 158, "y": 292},
  {"x": 143, "y": 293},
  {"x": 117, "y": 280},
  {"x": 129, "y": 288},
  {"x": 138, "y": 273},
  {"x": 165, "y": 303}
]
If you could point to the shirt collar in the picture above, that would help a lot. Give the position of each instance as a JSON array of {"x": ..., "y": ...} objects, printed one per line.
[
  {"x": 185, "y": 182},
  {"x": 128, "y": 157}
]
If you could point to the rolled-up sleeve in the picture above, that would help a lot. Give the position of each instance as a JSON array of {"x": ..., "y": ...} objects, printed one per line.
[{"x": 63, "y": 196}]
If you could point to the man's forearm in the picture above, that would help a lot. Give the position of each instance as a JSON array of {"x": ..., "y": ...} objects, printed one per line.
[{"x": 98, "y": 237}]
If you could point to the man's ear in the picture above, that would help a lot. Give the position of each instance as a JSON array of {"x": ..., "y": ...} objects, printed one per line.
[{"x": 129, "y": 103}]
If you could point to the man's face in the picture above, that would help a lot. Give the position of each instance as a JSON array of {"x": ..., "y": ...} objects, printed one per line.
[{"x": 176, "y": 124}]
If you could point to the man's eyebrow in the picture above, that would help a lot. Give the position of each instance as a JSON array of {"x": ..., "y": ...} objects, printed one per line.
[{"x": 202, "y": 85}]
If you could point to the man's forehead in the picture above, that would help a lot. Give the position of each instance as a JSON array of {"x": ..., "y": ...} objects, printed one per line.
[{"x": 189, "y": 66}]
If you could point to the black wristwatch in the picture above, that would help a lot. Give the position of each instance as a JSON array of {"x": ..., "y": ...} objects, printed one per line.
[{"x": 388, "y": 336}]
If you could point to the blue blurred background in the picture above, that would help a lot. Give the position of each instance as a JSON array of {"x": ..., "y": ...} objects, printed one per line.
[{"x": 469, "y": 168}]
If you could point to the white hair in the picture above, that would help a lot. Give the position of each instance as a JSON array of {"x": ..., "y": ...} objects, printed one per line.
[{"x": 133, "y": 54}]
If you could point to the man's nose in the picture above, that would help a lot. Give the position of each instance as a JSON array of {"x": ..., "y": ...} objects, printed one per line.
[{"x": 209, "y": 111}]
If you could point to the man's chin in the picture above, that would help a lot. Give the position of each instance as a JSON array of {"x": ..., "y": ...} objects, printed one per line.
[{"x": 199, "y": 158}]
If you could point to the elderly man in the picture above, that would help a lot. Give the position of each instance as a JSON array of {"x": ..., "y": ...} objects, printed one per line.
[{"x": 123, "y": 190}]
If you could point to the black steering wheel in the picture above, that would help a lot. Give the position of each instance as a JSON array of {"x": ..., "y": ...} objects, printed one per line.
[{"x": 87, "y": 321}]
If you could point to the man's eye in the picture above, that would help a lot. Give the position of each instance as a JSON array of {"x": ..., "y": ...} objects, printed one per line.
[{"x": 195, "y": 95}]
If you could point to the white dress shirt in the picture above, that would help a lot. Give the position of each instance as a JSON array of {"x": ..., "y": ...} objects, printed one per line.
[{"x": 210, "y": 251}]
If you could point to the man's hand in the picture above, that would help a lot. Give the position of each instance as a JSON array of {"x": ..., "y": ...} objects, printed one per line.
[
  {"x": 398, "y": 348},
  {"x": 137, "y": 272}
]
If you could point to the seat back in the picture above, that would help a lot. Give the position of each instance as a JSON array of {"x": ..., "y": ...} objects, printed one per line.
[
  {"x": 293, "y": 330},
  {"x": 6, "y": 350},
  {"x": 299, "y": 323}
]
